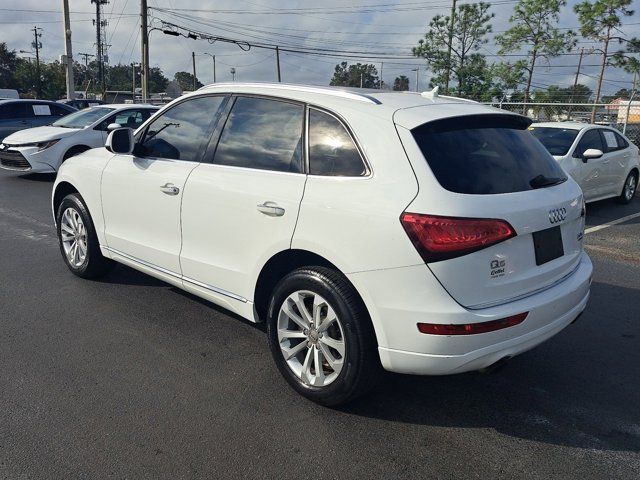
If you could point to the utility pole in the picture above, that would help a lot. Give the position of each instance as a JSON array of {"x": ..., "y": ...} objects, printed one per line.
[
  {"x": 633, "y": 92},
  {"x": 213, "y": 57},
  {"x": 417, "y": 70},
  {"x": 278, "y": 63},
  {"x": 144, "y": 44},
  {"x": 448, "y": 71},
  {"x": 575, "y": 83},
  {"x": 100, "y": 80},
  {"x": 193, "y": 60},
  {"x": 361, "y": 75},
  {"x": 37, "y": 45},
  {"x": 86, "y": 58},
  {"x": 133, "y": 84},
  {"x": 381, "y": 67},
  {"x": 68, "y": 55}
]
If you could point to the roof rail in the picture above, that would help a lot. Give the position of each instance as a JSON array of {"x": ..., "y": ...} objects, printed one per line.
[{"x": 336, "y": 92}]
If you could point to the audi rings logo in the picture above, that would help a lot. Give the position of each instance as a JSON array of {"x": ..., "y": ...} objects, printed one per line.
[{"x": 557, "y": 215}]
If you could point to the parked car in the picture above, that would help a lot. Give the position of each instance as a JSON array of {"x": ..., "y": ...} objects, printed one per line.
[
  {"x": 602, "y": 160},
  {"x": 43, "y": 149},
  {"x": 8, "y": 93},
  {"x": 427, "y": 235},
  {"x": 17, "y": 115},
  {"x": 81, "y": 103}
]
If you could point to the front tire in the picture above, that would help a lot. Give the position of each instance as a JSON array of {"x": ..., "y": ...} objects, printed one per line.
[
  {"x": 78, "y": 241},
  {"x": 321, "y": 337},
  {"x": 629, "y": 189}
]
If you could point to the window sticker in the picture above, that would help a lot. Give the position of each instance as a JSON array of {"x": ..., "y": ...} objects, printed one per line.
[
  {"x": 45, "y": 110},
  {"x": 610, "y": 138}
]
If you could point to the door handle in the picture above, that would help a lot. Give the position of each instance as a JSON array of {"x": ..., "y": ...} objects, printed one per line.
[
  {"x": 271, "y": 209},
  {"x": 170, "y": 189}
]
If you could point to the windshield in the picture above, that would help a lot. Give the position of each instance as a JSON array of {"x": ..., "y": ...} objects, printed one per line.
[
  {"x": 486, "y": 154},
  {"x": 557, "y": 140},
  {"x": 82, "y": 118}
]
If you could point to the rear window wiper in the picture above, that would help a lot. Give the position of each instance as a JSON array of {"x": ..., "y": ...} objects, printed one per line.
[{"x": 542, "y": 181}]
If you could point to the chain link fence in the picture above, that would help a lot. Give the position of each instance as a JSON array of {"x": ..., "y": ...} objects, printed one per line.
[{"x": 621, "y": 114}]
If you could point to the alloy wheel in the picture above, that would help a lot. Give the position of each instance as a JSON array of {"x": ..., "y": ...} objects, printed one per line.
[
  {"x": 311, "y": 338},
  {"x": 74, "y": 237},
  {"x": 630, "y": 187}
]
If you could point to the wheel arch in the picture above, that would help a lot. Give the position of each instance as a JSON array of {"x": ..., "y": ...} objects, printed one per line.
[
  {"x": 281, "y": 264},
  {"x": 62, "y": 189},
  {"x": 79, "y": 148}
]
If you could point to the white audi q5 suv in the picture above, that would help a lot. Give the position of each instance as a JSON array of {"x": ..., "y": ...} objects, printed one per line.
[{"x": 414, "y": 232}]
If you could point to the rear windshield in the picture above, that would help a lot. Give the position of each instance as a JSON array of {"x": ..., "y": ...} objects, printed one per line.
[
  {"x": 557, "y": 141},
  {"x": 486, "y": 154}
]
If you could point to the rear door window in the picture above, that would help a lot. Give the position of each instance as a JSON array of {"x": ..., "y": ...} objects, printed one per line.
[
  {"x": 332, "y": 151},
  {"x": 486, "y": 154},
  {"x": 622, "y": 143},
  {"x": 590, "y": 139},
  {"x": 264, "y": 134},
  {"x": 610, "y": 140},
  {"x": 41, "y": 109}
]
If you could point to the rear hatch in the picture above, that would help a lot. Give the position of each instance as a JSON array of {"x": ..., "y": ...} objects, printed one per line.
[{"x": 496, "y": 218}]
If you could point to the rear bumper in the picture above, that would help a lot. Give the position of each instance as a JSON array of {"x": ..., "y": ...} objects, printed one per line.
[{"x": 403, "y": 349}]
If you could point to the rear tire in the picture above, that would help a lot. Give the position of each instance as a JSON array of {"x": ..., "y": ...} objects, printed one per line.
[
  {"x": 78, "y": 241},
  {"x": 321, "y": 336},
  {"x": 629, "y": 188}
]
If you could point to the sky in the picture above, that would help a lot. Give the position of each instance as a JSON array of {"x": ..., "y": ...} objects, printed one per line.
[{"x": 371, "y": 26}]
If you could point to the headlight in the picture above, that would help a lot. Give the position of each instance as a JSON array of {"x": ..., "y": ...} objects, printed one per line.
[{"x": 44, "y": 145}]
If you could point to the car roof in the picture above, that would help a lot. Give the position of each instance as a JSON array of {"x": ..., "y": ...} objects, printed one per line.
[
  {"x": 570, "y": 125},
  {"x": 121, "y": 106},
  {"x": 24, "y": 100},
  {"x": 379, "y": 103}
]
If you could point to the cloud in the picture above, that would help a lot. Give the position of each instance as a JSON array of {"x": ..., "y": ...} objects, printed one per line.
[{"x": 371, "y": 31}]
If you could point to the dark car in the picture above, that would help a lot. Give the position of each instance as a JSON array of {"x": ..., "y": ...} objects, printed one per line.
[
  {"x": 81, "y": 103},
  {"x": 17, "y": 115}
]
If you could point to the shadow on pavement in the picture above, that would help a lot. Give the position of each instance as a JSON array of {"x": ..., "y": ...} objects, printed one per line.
[{"x": 38, "y": 177}]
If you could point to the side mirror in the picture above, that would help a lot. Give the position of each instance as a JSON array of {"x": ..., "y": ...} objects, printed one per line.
[
  {"x": 120, "y": 141},
  {"x": 112, "y": 126},
  {"x": 591, "y": 153}
]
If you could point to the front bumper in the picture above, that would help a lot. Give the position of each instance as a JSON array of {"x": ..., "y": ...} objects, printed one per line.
[
  {"x": 418, "y": 297},
  {"x": 31, "y": 159}
]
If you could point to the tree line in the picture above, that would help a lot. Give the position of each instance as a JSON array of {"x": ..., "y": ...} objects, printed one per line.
[
  {"x": 454, "y": 49},
  {"x": 47, "y": 80}
]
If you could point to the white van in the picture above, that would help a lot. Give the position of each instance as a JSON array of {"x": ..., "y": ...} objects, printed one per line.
[{"x": 8, "y": 94}]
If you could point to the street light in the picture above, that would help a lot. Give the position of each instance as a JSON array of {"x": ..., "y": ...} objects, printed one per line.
[{"x": 213, "y": 57}]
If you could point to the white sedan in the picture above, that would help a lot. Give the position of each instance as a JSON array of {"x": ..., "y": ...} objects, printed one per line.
[
  {"x": 602, "y": 161},
  {"x": 43, "y": 149}
]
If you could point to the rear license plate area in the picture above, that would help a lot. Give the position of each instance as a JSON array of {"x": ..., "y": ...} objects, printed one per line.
[{"x": 547, "y": 245}]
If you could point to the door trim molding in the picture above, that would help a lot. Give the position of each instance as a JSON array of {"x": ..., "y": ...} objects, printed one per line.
[{"x": 184, "y": 278}]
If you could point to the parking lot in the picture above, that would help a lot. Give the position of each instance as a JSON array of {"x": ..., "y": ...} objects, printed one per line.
[{"x": 128, "y": 377}]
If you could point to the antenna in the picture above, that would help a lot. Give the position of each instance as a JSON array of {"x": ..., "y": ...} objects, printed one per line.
[{"x": 432, "y": 94}]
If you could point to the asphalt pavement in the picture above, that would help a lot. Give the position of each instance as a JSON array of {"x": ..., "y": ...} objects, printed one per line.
[{"x": 128, "y": 377}]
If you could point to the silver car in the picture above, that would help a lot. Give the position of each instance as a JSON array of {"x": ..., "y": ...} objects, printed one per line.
[{"x": 602, "y": 160}]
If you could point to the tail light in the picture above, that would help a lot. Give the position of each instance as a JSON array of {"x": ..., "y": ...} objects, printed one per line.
[
  {"x": 440, "y": 238},
  {"x": 472, "y": 328}
]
